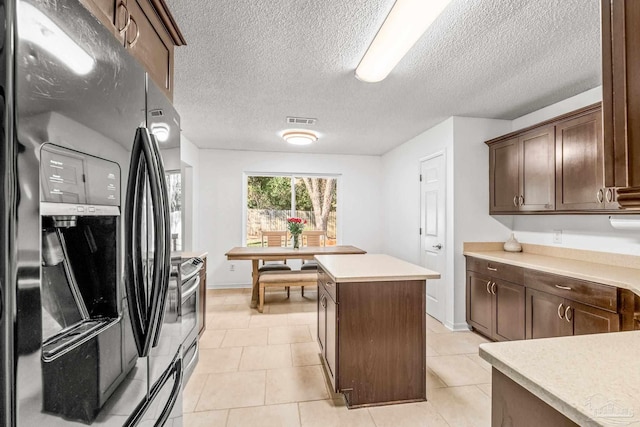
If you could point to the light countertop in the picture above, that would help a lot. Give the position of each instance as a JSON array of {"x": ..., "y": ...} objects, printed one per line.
[
  {"x": 622, "y": 277},
  {"x": 594, "y": 380},
  {"x": 372, "y": 268}
]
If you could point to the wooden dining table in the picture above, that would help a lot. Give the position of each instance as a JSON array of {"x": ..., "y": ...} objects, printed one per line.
[{"x": 257, "y": 253}]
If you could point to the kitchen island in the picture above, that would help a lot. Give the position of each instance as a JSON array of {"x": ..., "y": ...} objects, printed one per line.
[
  {"x": 371, "y": 327},
  {"x": 587, "y": 380}
]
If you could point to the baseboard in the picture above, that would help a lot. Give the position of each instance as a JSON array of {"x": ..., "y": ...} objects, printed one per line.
[
  {"x": 228, "y": 286},
  {"x": 457, "y": 327}
]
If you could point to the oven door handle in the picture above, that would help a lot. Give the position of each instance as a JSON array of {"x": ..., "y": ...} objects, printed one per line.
[
  {"x": 191, "y": 290},
  {"x": 193, "y": 273}
]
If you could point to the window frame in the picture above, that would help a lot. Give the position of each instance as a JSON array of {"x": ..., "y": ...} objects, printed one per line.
[{"x": 245, "y": 183}]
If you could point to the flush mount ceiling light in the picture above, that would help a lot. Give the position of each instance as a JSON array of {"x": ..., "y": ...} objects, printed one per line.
[
  {"x": 161, "y": 131},
  {"x": 299, "y": 137},
  {"x": 406, "y": 22}
]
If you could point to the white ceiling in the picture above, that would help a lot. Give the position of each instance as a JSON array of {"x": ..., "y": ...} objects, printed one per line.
[{"x": 249, "y": 64}]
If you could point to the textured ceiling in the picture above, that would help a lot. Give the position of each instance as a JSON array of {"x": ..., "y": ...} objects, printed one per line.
[{"x": 249, "y": 64}]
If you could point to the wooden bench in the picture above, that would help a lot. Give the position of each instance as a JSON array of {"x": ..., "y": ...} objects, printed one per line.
[{"x": 285, "y": 279}]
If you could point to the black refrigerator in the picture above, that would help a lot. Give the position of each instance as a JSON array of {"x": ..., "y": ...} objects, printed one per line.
[{"x": 90, "y": 327}]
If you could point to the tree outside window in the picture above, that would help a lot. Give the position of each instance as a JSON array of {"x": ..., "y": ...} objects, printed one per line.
[{"x": 273, "y": 199}]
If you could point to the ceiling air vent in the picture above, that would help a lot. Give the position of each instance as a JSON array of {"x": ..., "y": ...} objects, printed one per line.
[{"x": 301, "y": 121}]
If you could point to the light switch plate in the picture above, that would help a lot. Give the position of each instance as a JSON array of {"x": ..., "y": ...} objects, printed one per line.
[{"x": 557, "y": 236}]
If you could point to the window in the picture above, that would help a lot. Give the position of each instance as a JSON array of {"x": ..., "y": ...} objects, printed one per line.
[
  {"x": 174, "y": 187},
  {"x": 273, "y": 199}
]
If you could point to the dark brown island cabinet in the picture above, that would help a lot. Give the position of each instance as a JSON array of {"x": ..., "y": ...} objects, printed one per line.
[
  {"x": 507, "y": 302},
  {"x": 148, "y": 31},
  {"x": 372, "y": 327}
]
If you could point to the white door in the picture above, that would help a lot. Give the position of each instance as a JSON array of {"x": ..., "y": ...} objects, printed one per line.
[{"x": 432, "y": 239}]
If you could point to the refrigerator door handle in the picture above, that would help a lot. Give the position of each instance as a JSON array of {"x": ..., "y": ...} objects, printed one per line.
[
  {"x": 175, "y": 391},
  {"x": 134, "y": 281},
  {"x": 175, "y": 370},
  {"x": 161, "y": 285},
  {"x": 144, "y": 317}
]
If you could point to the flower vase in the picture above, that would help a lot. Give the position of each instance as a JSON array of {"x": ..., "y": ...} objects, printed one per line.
[{"x": 296, "y": 241}]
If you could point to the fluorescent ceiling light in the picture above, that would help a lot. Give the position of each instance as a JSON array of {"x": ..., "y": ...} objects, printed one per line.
[
  {"x": 404, "y": 25},
  {"x": 161, "y": 131},
  {"x": 37, "y": 28},
  {"x": 299, "y": 137}
]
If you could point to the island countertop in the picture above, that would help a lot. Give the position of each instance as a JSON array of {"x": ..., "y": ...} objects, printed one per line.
[
  {"x": 372, "y": 268},
  {"x": 593, "y": 380}
]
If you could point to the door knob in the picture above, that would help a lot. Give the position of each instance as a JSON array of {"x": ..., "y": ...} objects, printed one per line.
[{"x": 438, "y": 246}]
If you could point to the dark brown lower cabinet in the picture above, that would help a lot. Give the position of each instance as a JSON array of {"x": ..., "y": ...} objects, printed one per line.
[
  {"x": 553, "y": 316},
  {"x": 506, "y": 303},
  {"x": 509, "y": 308},
  {"x": 372, "y": 339},
  {"x": 495, "y": 308},
  {"x": 479, "y": 303},
  {"x": 545, "y": 316},
  {"x": 202, "y": 310},
  {"x": 591, "y": 320},
  {"x": 513, "y": 405}
]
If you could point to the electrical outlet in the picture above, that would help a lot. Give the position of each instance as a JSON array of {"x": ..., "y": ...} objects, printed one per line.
[
  {"x": 232, "y": 267},
  {"x": 557, "y": 236}
]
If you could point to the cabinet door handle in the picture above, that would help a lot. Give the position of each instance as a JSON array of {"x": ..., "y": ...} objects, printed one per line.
[
  {"x": 493, "y": 288},
  {"x": 488, "y": 284},
  {"x": 609, "y": 195},
  {"x": 133, "y": 42},
  {"x": 323, "y": 301},
  {"x": 568, "y": 314},
  {"x": 329, "y": 284},
  {"x": 515, "y": 200},
  {"x": 521, "y": 200},
  {"x": 492, "y": 268},
  {"x": 600, "y": 195},
  {"x": 564, "y": 288},
  {"x": 128, "y": 18},
  {"x": 560, "y": 310}
]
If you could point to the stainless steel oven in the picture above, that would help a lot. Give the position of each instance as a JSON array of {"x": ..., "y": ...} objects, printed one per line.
[{"x": 190, "y": 303}]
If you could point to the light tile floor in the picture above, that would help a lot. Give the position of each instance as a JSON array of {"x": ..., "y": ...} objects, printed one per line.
[{"x": 264, "y": 370}]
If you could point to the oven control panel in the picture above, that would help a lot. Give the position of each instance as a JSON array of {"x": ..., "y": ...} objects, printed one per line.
[{"x": 190, "y": 268}]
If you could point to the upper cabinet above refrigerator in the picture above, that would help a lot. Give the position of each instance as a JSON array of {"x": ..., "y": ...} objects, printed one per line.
[
  {"x": 621, "y": 98},
  {"x": 147, "y": 30}
]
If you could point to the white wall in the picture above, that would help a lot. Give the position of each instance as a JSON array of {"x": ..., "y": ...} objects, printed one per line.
[
  {"x": 401, "y": 190},
  {"x": 467, "y": 161},
  {"x": 221, "y": 202},
  {"x": 472, "y": 221},
  {"x": 591, "y": 232},
  {"x": 190, "y": 160},
  {"x": 583, "y": 99}
]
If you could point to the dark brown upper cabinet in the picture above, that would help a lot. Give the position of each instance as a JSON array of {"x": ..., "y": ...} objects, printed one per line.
[
  {"x": 621, "y": 98},
  {"x": 580, "y": 183},
  {"x": 558, "y": 166},
  {"x": 504, "y": 189},
  {"x": 147, "y": 29},
  {"x": 521, "y": 172},
  {"x": 537, "y": 166}
]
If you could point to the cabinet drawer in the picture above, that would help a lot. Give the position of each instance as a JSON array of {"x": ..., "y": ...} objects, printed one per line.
[
  {"x": 327, "y": 283},
  {"x": 594, "y": 294},
  {"x": 507, "y": 272}
]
